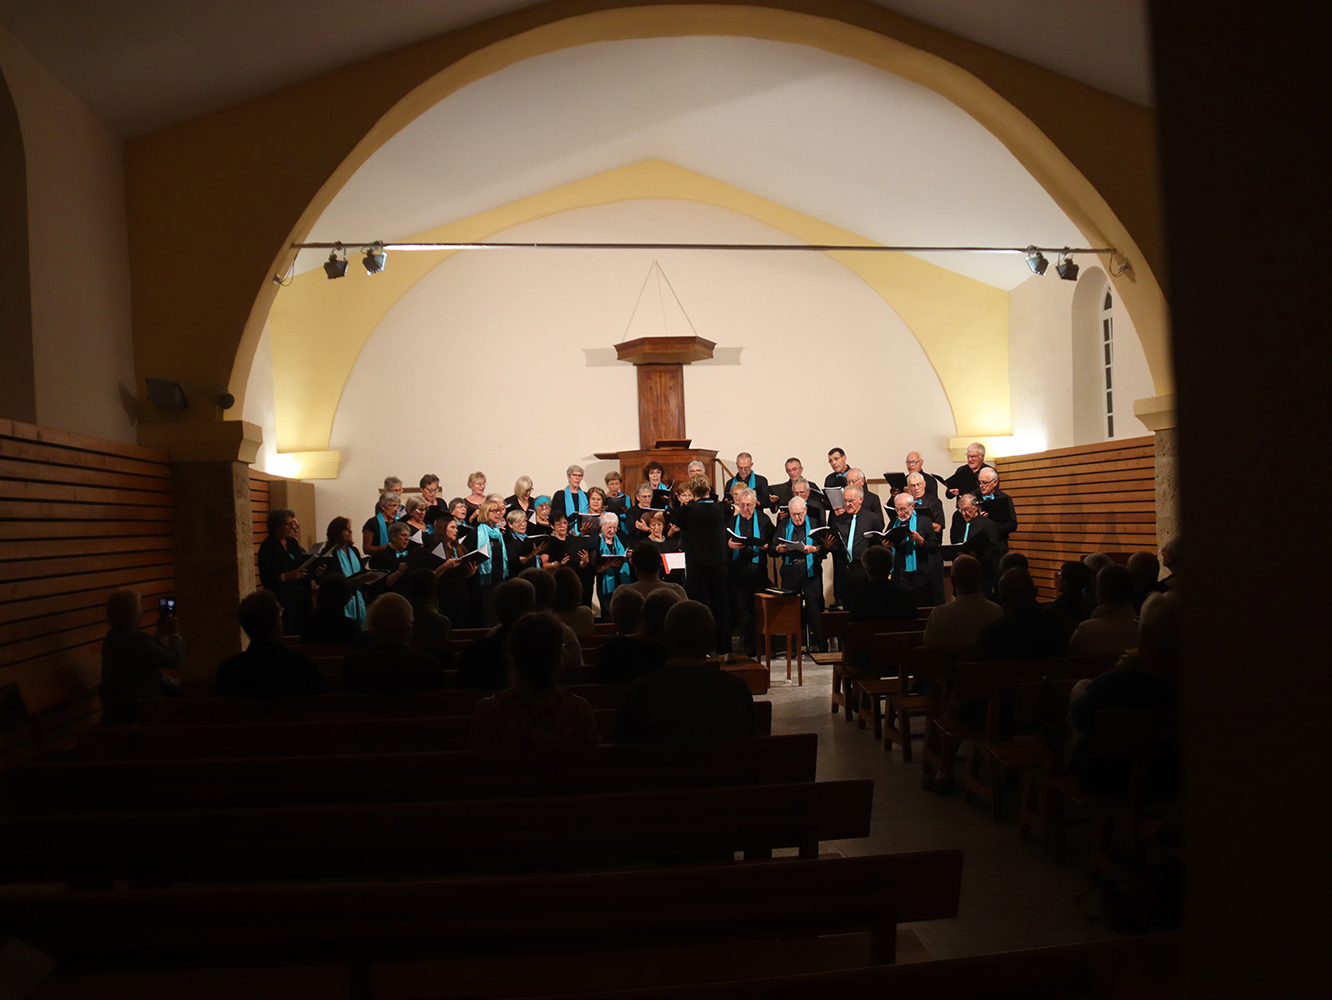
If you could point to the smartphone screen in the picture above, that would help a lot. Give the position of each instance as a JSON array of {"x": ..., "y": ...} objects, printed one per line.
[{"x": 166, "y": 605}]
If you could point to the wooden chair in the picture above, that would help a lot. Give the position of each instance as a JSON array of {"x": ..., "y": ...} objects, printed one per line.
[
  {"x": 1034, "y": 797},
  {"x": 590, "y": 916},
  {"x": 856, "y": 638},
  {"x": 1132, "y": 735},
  {"x": 932, "y": 663},
  {"x": 889, "y": 651},
  {"x": 1011, "y": 744}
]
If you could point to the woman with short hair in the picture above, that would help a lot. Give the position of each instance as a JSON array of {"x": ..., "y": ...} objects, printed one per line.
[
  {"x": 610, "y": 573},
  {"x": 280, "y": 569},
  {"x": 374, "y": 533},
  {"x": 522, "y": 496},
  {"x": 476, "y": 493},
  {"x": 414, "y": 512}
]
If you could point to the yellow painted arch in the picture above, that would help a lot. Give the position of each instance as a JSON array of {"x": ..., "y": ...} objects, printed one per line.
[
  {"x": 262, "y": 172},
  {"x": 320, "y": 327}
]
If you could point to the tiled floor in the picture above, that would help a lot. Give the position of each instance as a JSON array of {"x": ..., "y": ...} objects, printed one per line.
[{"x": 1012, "y": 897}]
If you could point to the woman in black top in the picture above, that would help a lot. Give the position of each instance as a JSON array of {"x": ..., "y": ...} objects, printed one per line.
[
  {"x": 280, "y": 559},
  {"x": 522, "y": 497},
  {"x": 374, "y": 533}
]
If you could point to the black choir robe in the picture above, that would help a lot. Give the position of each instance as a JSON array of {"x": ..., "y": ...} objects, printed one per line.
[
  {"x": 917, "y": 581},
  {"x": 557, "y": 504},
  {"x": 848, "y": 574},
  {"x": 702, "y": 537},
  {"x": 1001, "y": 512},
  {"x": 760, "y": 487},
  {"x": 816, "y": 501},
  {"x": 991, "y": 547}
]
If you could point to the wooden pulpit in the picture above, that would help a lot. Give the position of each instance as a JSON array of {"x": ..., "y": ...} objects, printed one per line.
[{"x": 661, "y": 409}]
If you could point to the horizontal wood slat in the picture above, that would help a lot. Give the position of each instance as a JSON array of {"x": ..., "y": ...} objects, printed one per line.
[
  {"x": 31, "y": 628},
  {"x": 36, "y": 511},
  {"x": 83, "y": 529},
  {"x": 41, "y": 548},
  {"x": 45, "y": 472},
  {"x": 83, "y": 460},
  {"x": 71, "y": 567},
  {"x": 1072, "y": 501},
  {"x": 92, "y": 598},
  {"x": 60, "y": 495}
]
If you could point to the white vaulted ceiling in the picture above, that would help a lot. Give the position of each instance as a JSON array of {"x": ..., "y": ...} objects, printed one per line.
[
  {"x": 825, "y": 135},
  {"x": 145, "y": 64}
]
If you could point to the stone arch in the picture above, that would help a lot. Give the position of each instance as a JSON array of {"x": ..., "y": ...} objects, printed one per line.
[{"x": 18, "y": 391}]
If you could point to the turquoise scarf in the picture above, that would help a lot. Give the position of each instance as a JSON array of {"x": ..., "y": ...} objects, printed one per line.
[
  {"x": 809, "y": 557},
  {"x": 736, "y": 553},
  {"x": 910, "y": 564}
]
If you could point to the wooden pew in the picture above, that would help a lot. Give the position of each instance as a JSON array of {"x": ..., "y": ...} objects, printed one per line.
[
  {"x": 286, "y": 739},
  {"x": 590, "y": 916},
  {"x": 423, "y": 839},
  {"x": 1144, "y": 967},
  {"x": 215, "y": 711},
  {"x": 98, "y": 786}
]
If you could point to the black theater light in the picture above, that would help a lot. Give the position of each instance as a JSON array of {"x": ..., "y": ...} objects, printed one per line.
[{"x": 1036, "y": 260}]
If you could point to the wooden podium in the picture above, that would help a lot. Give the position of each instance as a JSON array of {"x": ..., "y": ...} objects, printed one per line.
[{"x": 661, "y": 411}]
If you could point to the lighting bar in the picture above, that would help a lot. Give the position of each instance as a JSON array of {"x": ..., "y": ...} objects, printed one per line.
[{"x": 814, "y": 247}]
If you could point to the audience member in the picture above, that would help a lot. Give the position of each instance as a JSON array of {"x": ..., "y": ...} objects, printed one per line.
[
  {"x": 1145, "y": 678},
  {"x": 648, "y": 567},
  {"x": 428, "y": 625},
  {"x": 1170, "y": 561},
  {"x": 1013, "y": 560},
  {"x": 268, "y": 668},
  {"x": 882, "y": 599},
  {"x": 568, "y": 605},
  {"x": 1146, "y": 570},
  {"x": 391, "y": 666},
  {"x": 655, "y": 609},
  {"x": 543, "y": 582},
  {"x": 958, "y": 623},
  {"x": 1097, "y": 561},
  {"x": 328, "y": 624},
  {"x": 133, "y": 660},
  {"x": 1077, "y": 595},
  {"x": 534, "y": 714},
  {"x": 689, "y": 700},
  {"x": 1111, "y": 629},
  {"x": 1024, "y": 632},
  {"x": 626, "y": 656},
  {"x": 484, "y": 664}
]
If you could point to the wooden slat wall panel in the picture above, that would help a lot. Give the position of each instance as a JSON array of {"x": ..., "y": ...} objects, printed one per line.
[
  {"x": 1071, "y": 501},
  {"x": 80, "y": 517},
  {"x": 260, "y": 504}
]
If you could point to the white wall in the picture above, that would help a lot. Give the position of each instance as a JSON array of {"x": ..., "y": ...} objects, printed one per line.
[
  {"x": 1042, "y": 325},
  {"x": 503, "y": 362},
  {"x": 83, "y": 355},
  {"x": 261, "y": 407}
]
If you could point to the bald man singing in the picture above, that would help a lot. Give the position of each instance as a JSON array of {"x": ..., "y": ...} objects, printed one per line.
[{"x": 802, "y": 566}]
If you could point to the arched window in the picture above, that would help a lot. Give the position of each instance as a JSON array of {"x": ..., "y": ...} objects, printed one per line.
[{"x": 1108, "y": 350}]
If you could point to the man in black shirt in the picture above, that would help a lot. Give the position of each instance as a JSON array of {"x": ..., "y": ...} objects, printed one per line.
[
  {"x": 747, "y": 569},
  {"x": 836, "y": 459},
  {"x": 267, "y": 668},
  {"x": 850, "y": 544},
  {"x": 702, "y": 523},
  {"x": 996, "y": 505},
  {"x": 689, "y": 700},
  {"x": 747, "y": 477}
]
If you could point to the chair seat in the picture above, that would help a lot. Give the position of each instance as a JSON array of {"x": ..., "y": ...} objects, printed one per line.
[{"x": 1017, "y": 755}]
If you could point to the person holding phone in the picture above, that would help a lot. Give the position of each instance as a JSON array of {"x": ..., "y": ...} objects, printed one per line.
[{"x": 133, "y": 660}]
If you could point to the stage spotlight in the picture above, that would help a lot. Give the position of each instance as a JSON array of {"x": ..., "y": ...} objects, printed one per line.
[
  {"x": 1066, "y": 268},
  {"x": 374, "y": 258},
  {"x": 335, "y": 268},
  {"x": 1036, "y": 261},
  {"x": 166, "y": 394}
]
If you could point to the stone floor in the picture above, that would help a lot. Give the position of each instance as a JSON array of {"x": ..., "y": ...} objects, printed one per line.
[{"x": 1012, "y": 896}]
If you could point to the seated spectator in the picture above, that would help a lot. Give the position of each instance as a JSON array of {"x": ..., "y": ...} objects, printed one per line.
[
  {"x": 568, "y": 605},
  {"x": 1013, "y": 560},
  {"x": 1024, "y": 632},
  {"x": 534, "y": 714},
  {"x": 543, "y": 582},
  {"x": 428, "y": 625},
  {"x": 1170, "y": 561},
  {"x": 484, "y": 664},
  {"x": 881, "y": 600},
  {"x": 655, "y": 609},
  {"x": 1073, "y": 582},
  {"x": 390, "y": 666},
  {"x": 1112, "y": 627},
  {"x": 1146, "y": 570},
  {"x": 689, "y": 700},
  {"x": 648, "y": 567},
  {"x": 328, "y": 624},
  {"x": 268, "y": 668},
  {"x": 627, "y": 656},
  {"x": 133, "y": 660},
  {"x": 1145, "y": 678},
  {"x": 958, "y": 623}
]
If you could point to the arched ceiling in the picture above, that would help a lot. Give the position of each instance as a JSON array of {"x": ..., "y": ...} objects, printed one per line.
[
  {"x": 143, "y": 65},
  {"x": 827, "y": 136}
]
